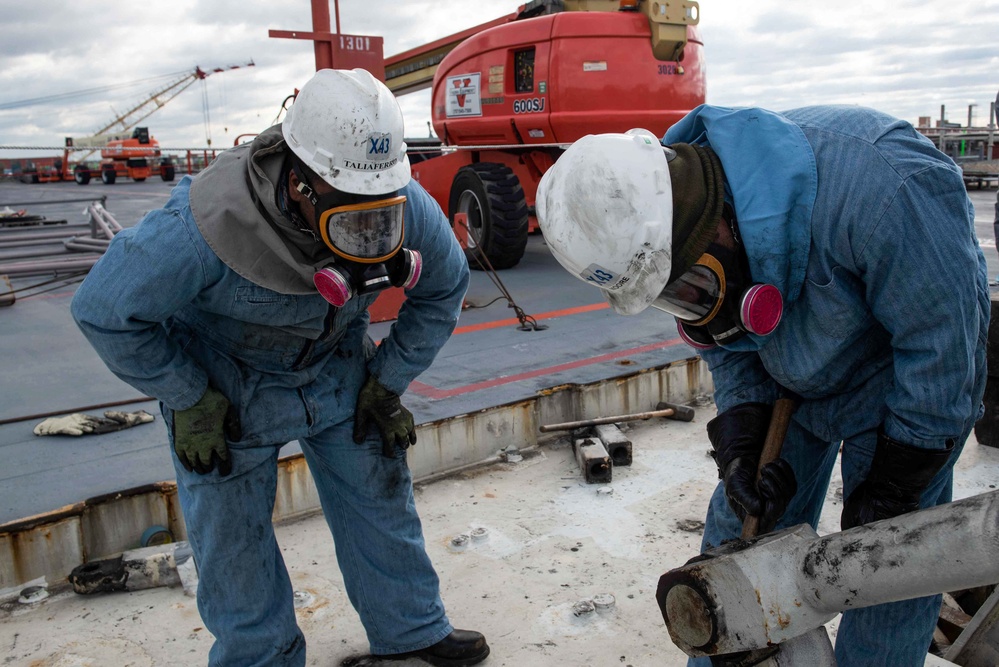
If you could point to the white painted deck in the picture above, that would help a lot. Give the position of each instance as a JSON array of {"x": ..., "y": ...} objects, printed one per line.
[{"x": 552, "y": 541}]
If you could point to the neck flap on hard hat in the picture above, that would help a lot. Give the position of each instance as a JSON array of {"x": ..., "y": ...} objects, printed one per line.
[
  {"x": 698, "y": 200},
  {"x": 235, "y": 207},
  {"x": 771, "y": 177}
]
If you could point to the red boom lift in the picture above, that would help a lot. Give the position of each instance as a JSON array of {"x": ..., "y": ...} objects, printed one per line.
[
  {"x": 510, "y": 94},
  {"x": 508, "y": 99}
]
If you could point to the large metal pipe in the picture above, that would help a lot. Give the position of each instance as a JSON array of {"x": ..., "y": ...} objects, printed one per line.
[
  {"x": 946, "y": 548},
  {"x": 749, "y": 595}
]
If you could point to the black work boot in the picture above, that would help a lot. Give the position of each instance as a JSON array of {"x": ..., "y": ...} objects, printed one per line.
[{"x": 458, "y": 649}]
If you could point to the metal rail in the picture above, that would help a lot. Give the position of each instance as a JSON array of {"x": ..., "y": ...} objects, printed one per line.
[
  {"x": 102, "y": 199},
  {"x": 117, "y": 149}
]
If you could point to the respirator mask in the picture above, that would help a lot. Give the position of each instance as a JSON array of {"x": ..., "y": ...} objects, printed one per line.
[
  {"x": 715, "y": 303},
  {"x": 365, "y": 236}
]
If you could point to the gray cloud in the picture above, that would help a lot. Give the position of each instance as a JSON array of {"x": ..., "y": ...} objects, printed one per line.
[{"x": 906, "y": 59}]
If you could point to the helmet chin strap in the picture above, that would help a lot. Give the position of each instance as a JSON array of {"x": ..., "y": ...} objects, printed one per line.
[{"x": 304, "y": 184}]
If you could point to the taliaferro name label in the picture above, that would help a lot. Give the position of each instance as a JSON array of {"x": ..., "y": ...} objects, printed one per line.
[{"x": 368, "y": 166}]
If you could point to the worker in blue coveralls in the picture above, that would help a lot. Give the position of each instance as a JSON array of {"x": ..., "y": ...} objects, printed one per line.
[
  {"x": 828, "y": 253},
  {"x": 242, "y": 306}
]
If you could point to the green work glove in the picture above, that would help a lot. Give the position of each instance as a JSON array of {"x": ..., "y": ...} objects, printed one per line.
[
  {"x": 378, "y": 405},
  {"x": 199, "y": 435}
]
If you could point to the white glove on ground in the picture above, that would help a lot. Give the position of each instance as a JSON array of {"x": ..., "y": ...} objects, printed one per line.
[
  {"x": 81, "y": 424},
  {"x": 74, "y": 424}
]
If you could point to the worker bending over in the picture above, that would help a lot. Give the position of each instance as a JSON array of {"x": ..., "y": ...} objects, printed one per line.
[
  {"x": 242, "y": 306},
  {"x": 827, "y": 252}
]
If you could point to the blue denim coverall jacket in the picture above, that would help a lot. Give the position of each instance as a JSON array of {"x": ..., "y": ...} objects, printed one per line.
[
  {"x": 169, "y": 317},
  {"x": 868, "y": 232}
]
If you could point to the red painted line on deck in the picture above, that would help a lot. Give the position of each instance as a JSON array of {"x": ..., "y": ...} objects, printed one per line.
[
  {"x": 513, "y": 321},
  {"x": 437, "y": 394}
]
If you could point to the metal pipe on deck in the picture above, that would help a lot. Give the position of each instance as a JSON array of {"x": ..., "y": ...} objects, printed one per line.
[
  {"x": 28, "y": 253},
  {"x": 48, "y": 235},
  {"x": 750, "y": 595},
  {"x": 77, "y": 254},
  {"x": 84, "y": 244},
  {"x": 78, "y": 264},
  {"x": 102, "y": 220}
]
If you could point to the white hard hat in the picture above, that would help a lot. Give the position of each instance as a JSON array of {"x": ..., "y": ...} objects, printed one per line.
[
  {"x": 606, "y": 210},
  {"x": 347, "y": 127}
]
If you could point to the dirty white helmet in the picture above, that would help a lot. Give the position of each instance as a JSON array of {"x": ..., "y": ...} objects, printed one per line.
[
  {"x": 347, "y": 127},
  {"x": 606, "y": 210}
]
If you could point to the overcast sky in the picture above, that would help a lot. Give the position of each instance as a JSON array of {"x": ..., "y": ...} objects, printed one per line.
[{"x": 906, "y": 57}]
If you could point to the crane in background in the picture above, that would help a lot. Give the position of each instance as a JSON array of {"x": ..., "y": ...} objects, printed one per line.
[
  {"x": 159, "y": 97},
  {"x": 122, "y": 143}
]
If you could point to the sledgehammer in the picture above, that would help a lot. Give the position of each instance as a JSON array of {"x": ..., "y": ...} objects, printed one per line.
[{"x": 667, "y": 410}]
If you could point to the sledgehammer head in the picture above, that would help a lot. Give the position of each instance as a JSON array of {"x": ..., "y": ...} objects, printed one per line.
[{"x": 681, "y": 413}]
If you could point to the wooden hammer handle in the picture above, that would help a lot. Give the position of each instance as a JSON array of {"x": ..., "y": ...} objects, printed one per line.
[
  {"x": 568, "y": 426},
  {"x": 780, "y": 419}
]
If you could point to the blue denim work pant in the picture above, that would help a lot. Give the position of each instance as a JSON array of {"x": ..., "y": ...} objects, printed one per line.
[
  {"x": 888, "y": 635},
  {"x": 245, "y": 596}
]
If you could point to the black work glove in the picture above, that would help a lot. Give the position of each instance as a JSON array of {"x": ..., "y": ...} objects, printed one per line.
[
  {"x": 737, "y": 436},
  {"x": 378, "y": 405},
  {"x": 199, "y": 434},
  {"x": 899, "y": 474}
]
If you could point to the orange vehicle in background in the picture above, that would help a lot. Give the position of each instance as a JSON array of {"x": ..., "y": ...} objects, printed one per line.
[
  {"x": 507, "y": 100},
  {"x": 137, "y": 157}
]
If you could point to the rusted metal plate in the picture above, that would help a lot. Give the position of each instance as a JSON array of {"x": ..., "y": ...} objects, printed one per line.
[
  {"x": 296, "y": 491},
  {"x": 112, "y": 523},
  {"x": 48, "y": 550}
]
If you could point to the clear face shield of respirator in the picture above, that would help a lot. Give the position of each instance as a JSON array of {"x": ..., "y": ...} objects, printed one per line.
[
  {"x": 714, "y": 306},
  {"x": 366, "y": 240}
]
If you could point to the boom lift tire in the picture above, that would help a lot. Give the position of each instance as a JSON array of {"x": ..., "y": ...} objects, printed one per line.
[
  {"x": 167, "y": 172},
  {"x": 81, "y": 175},
  {"x": 491, "y": 196},
  {"x": 108, "y": 176}
]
